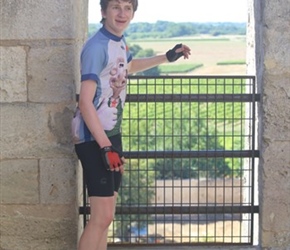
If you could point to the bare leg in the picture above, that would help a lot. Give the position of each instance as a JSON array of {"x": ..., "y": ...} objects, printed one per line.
[
  {"x": 102, "y": 214},
  {"x": 103, "y": 243}
]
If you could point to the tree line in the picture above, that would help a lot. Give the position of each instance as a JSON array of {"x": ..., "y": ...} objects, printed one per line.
[{"x": 166, "y": 29}]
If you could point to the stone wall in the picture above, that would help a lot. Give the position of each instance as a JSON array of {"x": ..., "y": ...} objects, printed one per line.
[
  {"x": 39, "y": 49},
  {"x": 274, "y": 80}
]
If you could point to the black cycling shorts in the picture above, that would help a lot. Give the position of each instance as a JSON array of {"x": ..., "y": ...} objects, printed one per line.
[{"x": 99, "y": 180}]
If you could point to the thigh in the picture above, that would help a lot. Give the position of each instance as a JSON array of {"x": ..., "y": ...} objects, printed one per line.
[
  {"x": 100, "y": 182},
  {"x": 103, "y": 207}
]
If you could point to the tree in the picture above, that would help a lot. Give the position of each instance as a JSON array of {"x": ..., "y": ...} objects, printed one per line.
[
  {"x": 136, "y": 189},
  {"x": 138, "y": 52},
  {"x": 201, "y": 138}
]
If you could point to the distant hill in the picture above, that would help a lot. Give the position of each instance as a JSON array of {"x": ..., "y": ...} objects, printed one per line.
[{"x": 165, "y": 29}]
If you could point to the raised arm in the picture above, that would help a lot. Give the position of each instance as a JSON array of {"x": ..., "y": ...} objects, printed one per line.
[{"x": 141, "y": 64}]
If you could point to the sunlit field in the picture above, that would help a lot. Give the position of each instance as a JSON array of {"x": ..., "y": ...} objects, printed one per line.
[{"x": 207, "y": 51}]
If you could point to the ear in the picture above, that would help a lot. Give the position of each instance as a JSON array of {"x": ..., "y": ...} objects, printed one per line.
[{"x": 103, "y": 13}]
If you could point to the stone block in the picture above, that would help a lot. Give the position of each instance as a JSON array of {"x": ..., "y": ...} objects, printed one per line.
[
  {"x": 51, "y": 74},
  {"x": 276, "y": 109},
  {"x": 35, "y": 19},
  {"x": 35, "y": 131},
  {"x": 275, "y": 15},
  {"x": 277, "y": 61},
  {"x": 275, "y": 194},
  {"x": 274, "y": 213},
  {"x": 277, "y": 168},
  {"x": 25, "y": 227},
  {"x": 19, "y": 181},
  {"x": 57, "y": 181},
  {"x": 13, "y": 84},
  {"x": 24, "y": 243},
  {"x": 272, "y": 240}
]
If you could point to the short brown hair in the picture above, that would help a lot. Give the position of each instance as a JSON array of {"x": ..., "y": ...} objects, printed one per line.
[{"x": 104, "y": 5}]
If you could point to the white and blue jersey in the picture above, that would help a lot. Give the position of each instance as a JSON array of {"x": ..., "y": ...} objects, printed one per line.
[{"x": 104, "y": 59}]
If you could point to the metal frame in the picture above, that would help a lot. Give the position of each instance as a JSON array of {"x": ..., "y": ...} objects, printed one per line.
[{"x": 248, "y": 96}]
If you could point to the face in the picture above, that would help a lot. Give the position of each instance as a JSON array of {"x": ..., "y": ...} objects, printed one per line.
[{"x": 118, "y": 16}]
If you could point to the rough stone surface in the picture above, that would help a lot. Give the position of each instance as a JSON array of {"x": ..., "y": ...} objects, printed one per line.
[
  {"x": 19, "y": 182},
  {"x": 275, "y": 128},
  {"x": 35, "y": 131},
  {"x": 35, "y": 19},
  {"x": 57, "y": 181},
  {"x": 275, "y": 197},
  {"x": 13, "y": 84},
  {"x": 39, "y": 47},
  {"x": 38, "y": 227},
  {"x": 50, "y": 76}
]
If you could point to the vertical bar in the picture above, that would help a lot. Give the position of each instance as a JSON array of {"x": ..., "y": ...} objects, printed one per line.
[
  {"x": 84, "y": 201},
  {"x": 253, "y": 158}
]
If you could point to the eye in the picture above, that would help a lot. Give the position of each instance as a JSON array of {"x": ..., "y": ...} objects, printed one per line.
[
  {"x": 129, "y": 8},
  {"x": 115, "y": 7}
]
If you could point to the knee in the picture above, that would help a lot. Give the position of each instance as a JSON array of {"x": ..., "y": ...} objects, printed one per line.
[
  {"x": 108, "y": 219},
  {"x": 103, "y": 221}
]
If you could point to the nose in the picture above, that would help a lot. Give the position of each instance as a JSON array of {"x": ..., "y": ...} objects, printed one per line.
[{"x": 121, "y": 12}]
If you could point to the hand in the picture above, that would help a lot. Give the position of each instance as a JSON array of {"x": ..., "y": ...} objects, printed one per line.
[
  {"x": 121, "y": 169},
  {"x": 178, "y": 51},
  {"x": 107, "y": 115},
  {"x": 75, "y": 126},
  {"x": 112, "y": 158}
]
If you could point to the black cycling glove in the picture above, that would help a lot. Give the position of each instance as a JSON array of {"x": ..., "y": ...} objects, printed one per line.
[{"x": 172, "y": 56}]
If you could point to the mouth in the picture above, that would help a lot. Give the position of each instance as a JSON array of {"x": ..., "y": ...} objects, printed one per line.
[{"x": 121, "y": 21}]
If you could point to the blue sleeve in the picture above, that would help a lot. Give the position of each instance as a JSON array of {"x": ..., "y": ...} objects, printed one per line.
[
  {"x": 129, "y": 58},
  {"x": 128, "y": 53},
  {"x": 93, "y": 61}
]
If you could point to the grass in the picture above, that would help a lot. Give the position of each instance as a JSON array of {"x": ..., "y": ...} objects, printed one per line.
[
  {"x": 179, "y": 68},
  {"x": 231, "y": 62},
  {"x": 224, "y": 118},
  {"x": 178, "y": 40},
  {"x": 209, "y": 52},
  {"x": 158, "y": 125}
]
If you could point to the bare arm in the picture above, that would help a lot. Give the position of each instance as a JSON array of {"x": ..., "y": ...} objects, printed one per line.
[
  {"x": 141, "y": 64},
  {"x": 88, "y": 111}
]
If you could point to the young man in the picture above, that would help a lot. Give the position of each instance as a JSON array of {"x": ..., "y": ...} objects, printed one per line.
[{"x": 105, "y": 65}]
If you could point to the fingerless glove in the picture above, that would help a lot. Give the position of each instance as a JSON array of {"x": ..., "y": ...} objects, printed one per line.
[
  {"x": 172, "y": 56},
  {"x": 111, "y": 157}
]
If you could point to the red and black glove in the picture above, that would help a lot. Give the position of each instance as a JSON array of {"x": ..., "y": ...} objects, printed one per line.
[
  {"x": 111, "y": 157},
  {"x": 172, "y": 55}
]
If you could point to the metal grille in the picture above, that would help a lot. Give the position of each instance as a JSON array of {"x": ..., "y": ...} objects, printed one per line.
[{"x": 191, "y": 172}]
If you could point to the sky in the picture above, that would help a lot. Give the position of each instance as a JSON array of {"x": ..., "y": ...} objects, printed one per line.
[{"x": 182, "y": 11}]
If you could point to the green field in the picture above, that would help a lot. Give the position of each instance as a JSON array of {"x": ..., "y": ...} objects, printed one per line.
[
  {"x": 185, "y": 126},
  {"x": 191, "y": 126},
  {"x": 215, "y": 54}
]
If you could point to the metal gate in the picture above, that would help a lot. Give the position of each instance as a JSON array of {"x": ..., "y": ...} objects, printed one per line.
[{"x": 192, "y": 158}]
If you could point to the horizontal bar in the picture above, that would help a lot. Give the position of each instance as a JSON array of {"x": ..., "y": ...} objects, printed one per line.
[
  {"x": 180, "y": 210},
  {"x": 250, "y": 77},
  {"x": 183, "y": 245},
  {"x": 193, "y": 98},
  {"x": 191, "y": 154}
]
